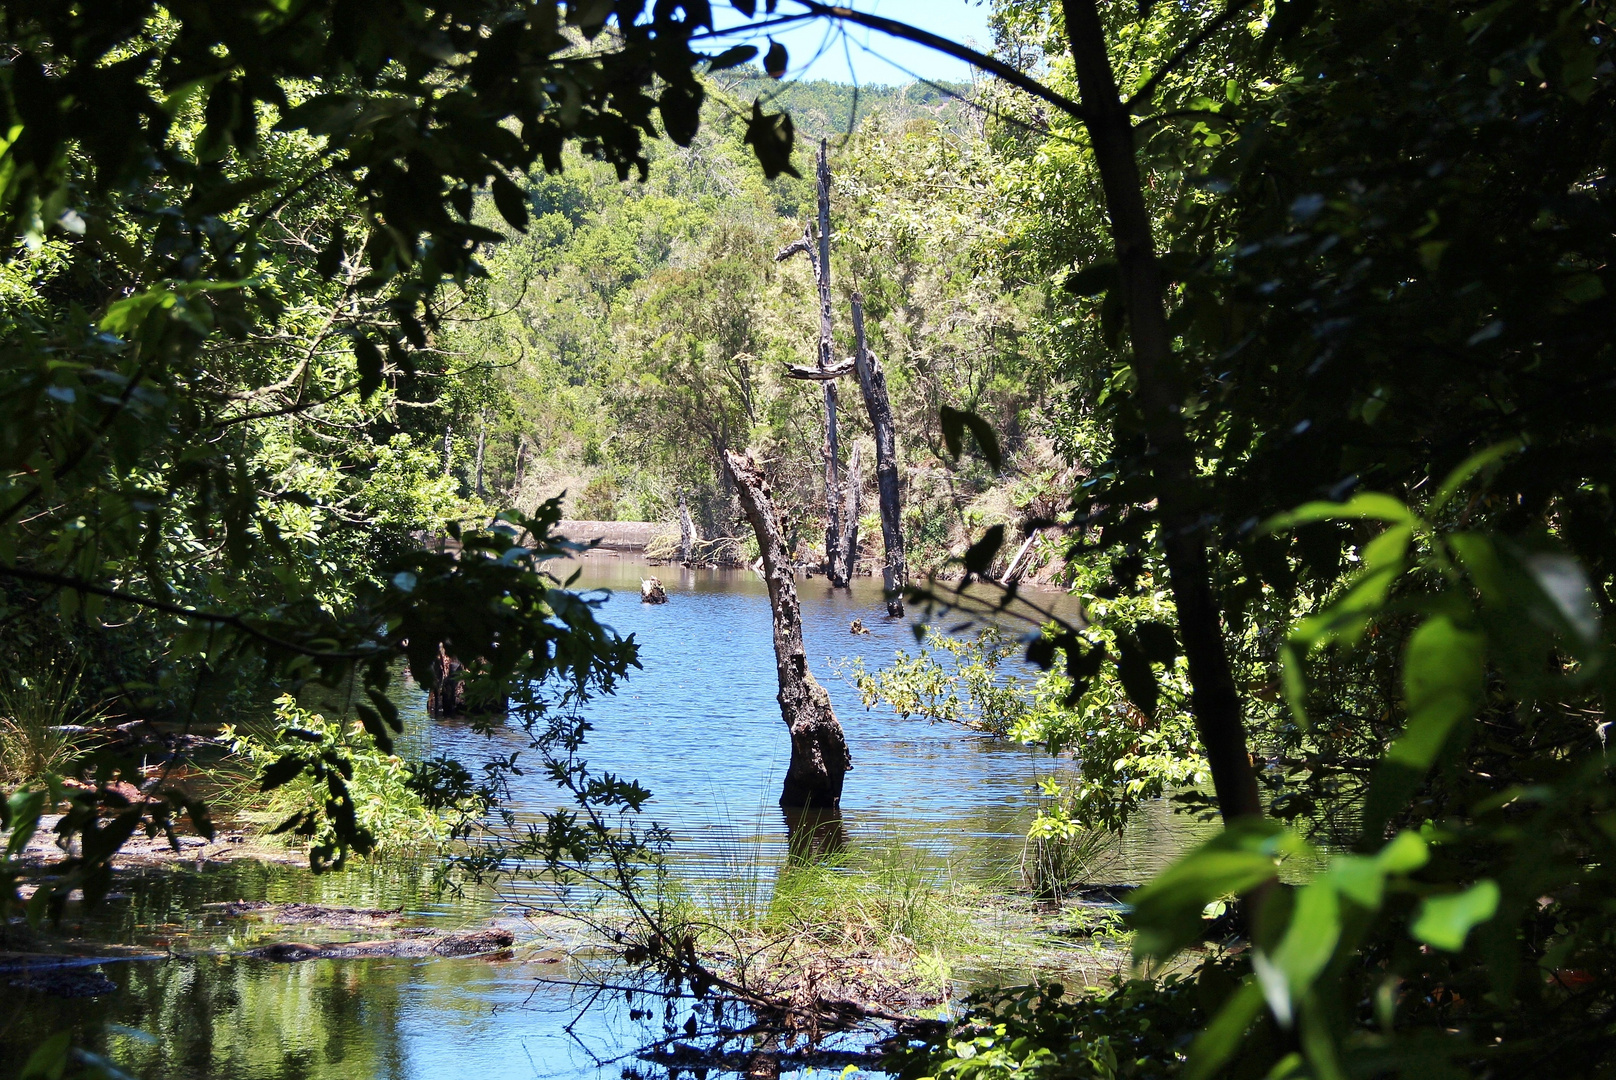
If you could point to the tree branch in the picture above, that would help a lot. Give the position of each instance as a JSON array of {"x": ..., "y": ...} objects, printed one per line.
[
  {"x": 818, "y": 374},
  {"x": 63, "y": 581},
  {"x": 1143, "y": 94},
  {"x": 992, "y": 65}
]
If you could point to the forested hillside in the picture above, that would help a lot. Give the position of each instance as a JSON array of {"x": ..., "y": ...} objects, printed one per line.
[
  {"x": 1285, "y": 328},
  {"x": 637, "y": 329}
]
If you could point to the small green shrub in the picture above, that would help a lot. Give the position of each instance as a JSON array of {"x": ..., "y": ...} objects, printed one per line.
[
  {"x": 33, "y": 714},
  {"x": 386, "y": 792},
  {"x": 598, "y": 500}
]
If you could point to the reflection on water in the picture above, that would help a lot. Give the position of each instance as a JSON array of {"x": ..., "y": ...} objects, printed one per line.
[{"x": 699, "y": 727}]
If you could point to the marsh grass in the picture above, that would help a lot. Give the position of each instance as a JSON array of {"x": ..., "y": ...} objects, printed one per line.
[
  {"x": 884, "y": 923},
  {"x": 37, "y": 715}
]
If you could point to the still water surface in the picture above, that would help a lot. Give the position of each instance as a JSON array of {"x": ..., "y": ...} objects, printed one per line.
[{"x": 698, "y": 726}]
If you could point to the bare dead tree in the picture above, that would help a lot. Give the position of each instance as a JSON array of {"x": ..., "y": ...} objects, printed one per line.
[
  {"x": 873, "y": 383},
  {"x": 852, "y": 507},
  {"x": 836, "y": 557},
  {"x": 687, "y": 531},
  {"x": 819, "y": 756}
]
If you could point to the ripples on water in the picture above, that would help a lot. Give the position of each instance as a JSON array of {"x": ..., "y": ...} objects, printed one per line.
[{"x": 699, "y": 727}]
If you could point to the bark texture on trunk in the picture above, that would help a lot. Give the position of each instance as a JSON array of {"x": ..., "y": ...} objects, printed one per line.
[
  {"x": 447, "y": 694},
  {"x": 824, "y": 371},
  {"x": 873, "y": 383},
  {"x": 835, "y": 567},
  {"x": 1213, "y": 698},
  {"x": 853, "y": 506},
  {"x": 687, "y": 531},
  {"x": 819, "y": 757},
  {"x": 481, "y": 437}
]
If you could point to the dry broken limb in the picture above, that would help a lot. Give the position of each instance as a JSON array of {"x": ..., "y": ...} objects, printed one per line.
[{"x": 819, "y": 755}]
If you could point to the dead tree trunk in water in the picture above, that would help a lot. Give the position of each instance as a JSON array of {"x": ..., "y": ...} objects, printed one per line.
[
  {"x": 687, "y": 531},
  {"x": 819, "y": 757},
  {"x": 836, "y": 567},
  {"x": 447, "y": 694},
  {"x": 873, "y": 382},
  {"x": 851, "y": 509}
]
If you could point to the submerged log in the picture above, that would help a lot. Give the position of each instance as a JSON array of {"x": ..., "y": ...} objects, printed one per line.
[
  {"x": 819, "y": 756},
  {"x": 652, "y": 592},
  {"x": 468, "y": 944}
]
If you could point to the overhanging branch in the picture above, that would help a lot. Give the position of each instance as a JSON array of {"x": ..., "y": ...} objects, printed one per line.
[
  {"x": 64, "y": 581},
  {"x": 1143, "y": 94},
  {"x": 991, "y": 65}
]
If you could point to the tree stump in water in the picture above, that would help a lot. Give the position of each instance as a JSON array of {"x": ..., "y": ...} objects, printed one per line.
[
  {"x": 447, "y": 694},
  {"x": 652, "y": 592},
  {"x": 819, "y": 757}
]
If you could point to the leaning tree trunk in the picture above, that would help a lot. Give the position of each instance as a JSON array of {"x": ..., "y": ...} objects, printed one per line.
[
  {"x": 873, "y": 382},
  {"x": 819, "y": 757},
  {"x": 1213, "y": 699}
]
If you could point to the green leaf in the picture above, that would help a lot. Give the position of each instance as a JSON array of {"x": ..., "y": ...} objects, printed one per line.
[
  {"x": 955, "y": 422},
  {"x": 1138, "y": 680},
  {"x": 775, "y": 61},
  {"x": 1287, "y": 973},
  {"x": 372, "y": 722},
  {"x": 734, "y": 56},
  {"x": 1091, "y": 280},
  {"x": 1444, "y": 679},
  {"x": 772, "y": 138},
  {"x": 979, "y": 556},
  {"x": 1156, "y": 641},
  {"x": 1472, "y": 465},
  {"x": 281, "y": 772},
  {"x": 329, "y": 260},
  {"x": 49, "y": 1059},
  {"x": 384, "y": 705},
  {"x": 23, "y": 809},
  {"x": 369, "y": 359},
  {"x": 1219, "y": 1040},
  {"x": 1444, "y": 922},
  {"x": 1293, "y": 678},
  {"x": 1367, "y": 505},
  {"x": 510, "y": 202},
  {"x": 1167, "y": 913}
]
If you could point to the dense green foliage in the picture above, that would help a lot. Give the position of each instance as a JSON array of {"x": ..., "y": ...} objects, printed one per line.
[
  {"x": 642, "y": 327},
  {"x": 1361, "y": 480}
]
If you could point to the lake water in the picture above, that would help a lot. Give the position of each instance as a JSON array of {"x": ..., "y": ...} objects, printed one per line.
[{"x": 699, "y": 727}]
